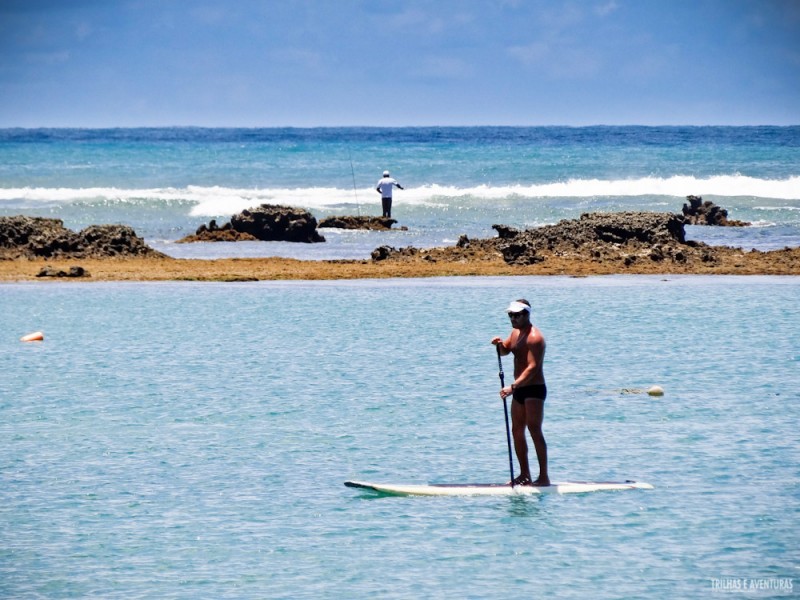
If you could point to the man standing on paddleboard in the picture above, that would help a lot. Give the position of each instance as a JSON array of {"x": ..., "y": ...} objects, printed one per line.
[
  {"x": 385, "y": 186},
  {"x": 528, "y": 389}
]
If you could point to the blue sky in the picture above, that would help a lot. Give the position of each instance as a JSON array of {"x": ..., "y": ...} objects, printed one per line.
[{"x": 99, "y": 63}]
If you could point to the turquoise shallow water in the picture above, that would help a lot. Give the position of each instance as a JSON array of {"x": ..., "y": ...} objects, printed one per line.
[{"x": 188, "y": 440}]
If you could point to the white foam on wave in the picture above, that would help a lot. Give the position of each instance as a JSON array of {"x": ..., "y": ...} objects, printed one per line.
[
  {"x": 211, "y": 200},
  {"x": 218, "y": 200},
  {"x": 221, "y": 201},
  {"x": 790, "y": 208},
  {"x": 677, "y": 185},
  {"x": 89, "y": 194}
]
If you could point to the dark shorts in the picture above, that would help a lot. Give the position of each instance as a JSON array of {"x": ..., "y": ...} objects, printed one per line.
[{"x": 537, "y": 390}]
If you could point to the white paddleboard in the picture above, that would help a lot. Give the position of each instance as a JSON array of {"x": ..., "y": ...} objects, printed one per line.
[{"x": 496, "y": 489}]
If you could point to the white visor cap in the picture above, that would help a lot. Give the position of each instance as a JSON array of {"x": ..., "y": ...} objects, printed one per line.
[
  {"x": 386, "y": 173},
  {"x": 516, "y": 307}
]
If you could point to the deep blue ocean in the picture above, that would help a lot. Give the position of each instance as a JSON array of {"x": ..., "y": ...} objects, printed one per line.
[
  {"x": 167, "y": 182},
  {"x": 191, "y": 440}
]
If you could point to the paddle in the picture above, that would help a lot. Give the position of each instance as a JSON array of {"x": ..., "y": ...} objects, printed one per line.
[{"x": 505, "y": 412}]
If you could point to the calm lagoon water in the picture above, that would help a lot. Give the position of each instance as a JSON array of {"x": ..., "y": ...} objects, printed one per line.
[{"x": 182, "y": 440}]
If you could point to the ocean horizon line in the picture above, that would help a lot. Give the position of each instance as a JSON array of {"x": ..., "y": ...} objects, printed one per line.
[{"x": 396, "y": 127}]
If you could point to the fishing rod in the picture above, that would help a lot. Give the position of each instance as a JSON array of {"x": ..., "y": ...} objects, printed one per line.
[{"x": 353, "y": 173}]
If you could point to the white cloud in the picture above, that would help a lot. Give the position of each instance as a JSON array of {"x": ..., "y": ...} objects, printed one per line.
[
  {"x": 606, "y": 9},
  {"x": 558, "y": 18}
]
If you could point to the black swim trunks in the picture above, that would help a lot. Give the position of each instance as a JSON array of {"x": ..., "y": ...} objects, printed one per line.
[{"x": 537, "y": 390}]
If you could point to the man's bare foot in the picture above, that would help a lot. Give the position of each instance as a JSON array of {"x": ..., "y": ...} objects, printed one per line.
[
  {"x": 521, "y": 480},
  {"x": 541, "y": 482}
]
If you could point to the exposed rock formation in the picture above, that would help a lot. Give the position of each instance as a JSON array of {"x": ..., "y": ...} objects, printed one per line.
[
  {"x": 350, "y": 222},
  {"x": 387, "y": 252},
  {"x": 49, "y": 271},
  {"x": 268, "y": 223},
  {"x": 597, "y": 235},
  {"x": 32, "y": 237},
  {"x": 697, "y": 212},
  {"x": 214, "y": 233},
  {"x": 613, "y": 238}
]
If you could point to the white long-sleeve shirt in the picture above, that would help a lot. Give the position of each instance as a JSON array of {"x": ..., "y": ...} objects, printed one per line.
[{"x": 385, "y": 185}]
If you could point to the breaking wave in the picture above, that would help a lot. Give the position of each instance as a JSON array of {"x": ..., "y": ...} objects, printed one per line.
[{"x": 217, "y": 200}]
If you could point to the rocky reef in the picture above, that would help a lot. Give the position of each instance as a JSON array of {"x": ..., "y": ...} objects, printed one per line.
[
  {"x": 351, "y": 222},
  {"x": 267, "y": 223},
  {"x": 75, "y": 271},
  {"x": 214, "y": 233},
  {"x": 39, "y": 237},
  {"x": 625, "y": 238},
  {"x": 613, "y": 236},
  {"x": 697, "y": 212}
]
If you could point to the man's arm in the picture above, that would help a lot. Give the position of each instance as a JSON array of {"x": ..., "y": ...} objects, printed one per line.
[{"x": 502, "y": 345}]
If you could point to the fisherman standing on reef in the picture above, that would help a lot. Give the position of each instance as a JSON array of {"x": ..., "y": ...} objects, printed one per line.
[
  {"x": 527, "y": 344},
  {"x": 385, "y": 185}
]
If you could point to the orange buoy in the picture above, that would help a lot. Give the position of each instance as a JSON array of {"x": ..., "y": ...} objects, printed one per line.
[{"x": 36, "y": 336}]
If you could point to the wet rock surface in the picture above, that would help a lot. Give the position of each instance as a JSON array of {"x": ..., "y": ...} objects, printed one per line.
[
  {"x": 351, "y": 222},
  {"x": 266, "y": 223},
  {"x": 596, "y": 235},
  {"x": 39, "y": 237},
  {"x": 214, "y": 233},
  {"x": 595, "y": 244},
  {"x": 615, "y": 240},
  {"x": 697, "y": 212},
  {"x": 76, "y": 271},
  {"x": 270, "y": 222}
]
